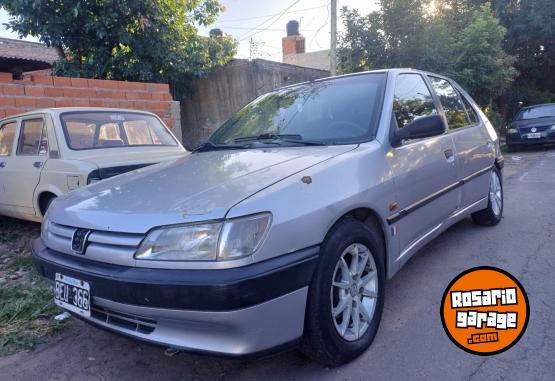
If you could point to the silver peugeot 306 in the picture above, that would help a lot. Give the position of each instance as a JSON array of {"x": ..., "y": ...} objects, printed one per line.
[{"x": 283, "y": 227}]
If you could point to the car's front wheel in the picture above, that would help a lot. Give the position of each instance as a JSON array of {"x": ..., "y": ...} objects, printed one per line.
[
  {"x": 346, "y": 296},
  {"x": 493, "y": 213}
]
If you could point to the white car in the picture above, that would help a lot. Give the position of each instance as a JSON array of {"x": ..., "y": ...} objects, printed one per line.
[{"x": 46, "y": 153}]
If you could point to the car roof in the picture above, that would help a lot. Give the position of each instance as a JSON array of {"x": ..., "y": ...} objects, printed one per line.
[
  {"x": 391, "y": 70},
  {"x": 59, "y": 110}
]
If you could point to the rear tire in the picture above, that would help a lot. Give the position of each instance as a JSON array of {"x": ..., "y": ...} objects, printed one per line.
[
  {"x": 492, "y": 214},
  {"x": 334, "y": 336}
]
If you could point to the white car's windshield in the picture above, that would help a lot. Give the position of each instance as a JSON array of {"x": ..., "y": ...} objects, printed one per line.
[
  {"x": 537, "y": 112},
  {"x": 335, "y": 111},
  {"x": 90, "y": 130}
]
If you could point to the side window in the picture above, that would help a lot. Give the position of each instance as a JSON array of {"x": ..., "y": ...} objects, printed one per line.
[
  {"x": 412, "y": 99},
  {"x": 470, "y": 111},
  {"x": 32, "y": 138},
  {"x": 7, "y": 133},
  {"x": 451, "y": 102}
]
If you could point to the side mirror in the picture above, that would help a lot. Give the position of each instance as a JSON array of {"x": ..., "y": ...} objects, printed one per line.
[{"x": 421, "y": 128}]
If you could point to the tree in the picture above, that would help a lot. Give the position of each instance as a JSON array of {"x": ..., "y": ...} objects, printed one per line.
[
  {"x": 461, "y": 39},
  {"x": 141, "y": 40},
  {"x": 480, "y": 64},
  {"x": 531, "y": 39}
]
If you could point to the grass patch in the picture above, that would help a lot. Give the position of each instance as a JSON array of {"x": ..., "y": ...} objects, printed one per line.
[
  {"x": 20, "y": 263},
  {"x": 26, "y": 315}
]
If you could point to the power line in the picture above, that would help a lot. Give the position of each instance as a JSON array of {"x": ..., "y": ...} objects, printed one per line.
[
  {"x": 275, "y": 19},
  {"x": 272, "y": 15},
  {"x": 262, "y": 29}
]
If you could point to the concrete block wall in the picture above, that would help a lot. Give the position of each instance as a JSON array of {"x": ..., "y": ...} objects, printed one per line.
[
  {"x": 215, "y": 99},
  {"x": 42, "y": 91}
]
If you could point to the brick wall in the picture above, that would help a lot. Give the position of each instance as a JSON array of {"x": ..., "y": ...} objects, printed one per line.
[{"x": 40, "y": 91}]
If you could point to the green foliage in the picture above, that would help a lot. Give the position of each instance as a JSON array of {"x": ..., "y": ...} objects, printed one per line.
[
  {"x": 26, "y": 316},
  {"x": 479, "y": 63},
  {"x": 140, "y": 40},
  {"x": 462, "y": 39},
  {"x": 531, "y": 39},
  {"x": 495, "y": 118}
]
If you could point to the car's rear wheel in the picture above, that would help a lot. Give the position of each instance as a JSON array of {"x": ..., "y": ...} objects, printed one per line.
[
  {"x": 493, "y": 213},
  {"x": 346, "y": 296}
]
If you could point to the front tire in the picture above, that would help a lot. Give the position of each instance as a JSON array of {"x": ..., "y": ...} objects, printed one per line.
[
  {"x": 492, "y": 214},
  {"x": 346, "y": 296}
]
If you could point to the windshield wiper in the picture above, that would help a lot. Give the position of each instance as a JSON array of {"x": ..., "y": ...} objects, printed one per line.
[
  {"x": 267, "y": 136},
  {"x": 286, "y": 138},
  {"x": 209, "y": 146}
]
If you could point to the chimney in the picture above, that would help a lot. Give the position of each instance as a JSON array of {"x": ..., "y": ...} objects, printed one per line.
[{"x": 294, "y": 43}]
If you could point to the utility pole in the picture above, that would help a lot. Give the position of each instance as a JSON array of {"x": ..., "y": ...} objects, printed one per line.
[{"x": 333, "y": 45}]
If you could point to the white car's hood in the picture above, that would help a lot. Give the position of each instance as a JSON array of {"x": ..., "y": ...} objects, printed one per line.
[
  {"x": 200, "y": 186},
  {"x": 123, "y": 156}
]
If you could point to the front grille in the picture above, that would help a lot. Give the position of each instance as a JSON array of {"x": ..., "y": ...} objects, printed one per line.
[
  {"x": 526, "y": 130},
  {"x": 122, "y": 320},
  {"x": 105, "y": 246}
]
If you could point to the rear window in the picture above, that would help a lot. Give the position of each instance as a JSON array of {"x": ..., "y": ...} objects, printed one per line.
[{"x": 90, "y": 130}]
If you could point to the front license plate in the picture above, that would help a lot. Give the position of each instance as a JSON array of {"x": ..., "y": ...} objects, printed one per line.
[
  {"x": 534, "y": 135},
  {"x": 73, "y": 294}
]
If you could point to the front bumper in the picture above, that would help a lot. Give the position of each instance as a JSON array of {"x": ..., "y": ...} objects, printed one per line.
[
  {"x": 234, "y": 312},
  {"x": 547, "y": 137}
]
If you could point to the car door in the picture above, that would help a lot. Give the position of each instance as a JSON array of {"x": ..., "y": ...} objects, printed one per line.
[
  {"x": 423, "y": 169},
  {"x": 24, "y": 168},
  {"x": 8, "y": 131},
  {"x": 474, "y": 149}
]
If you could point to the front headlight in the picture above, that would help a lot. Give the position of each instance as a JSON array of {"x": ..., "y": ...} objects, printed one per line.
[
  {"x": 218, "y": 241},
  {"x": 512, "y": 131}
]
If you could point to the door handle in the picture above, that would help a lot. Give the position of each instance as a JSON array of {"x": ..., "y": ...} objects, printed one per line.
[
  {"x": 449, "y": 156},
  {"x": 37, "y": 164},
  {"x": 3, "y": 164}
]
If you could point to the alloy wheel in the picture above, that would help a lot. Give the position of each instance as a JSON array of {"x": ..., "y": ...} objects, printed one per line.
[
  {"x": 354, "y": 292},
  {"x": 495, "y": 194}
]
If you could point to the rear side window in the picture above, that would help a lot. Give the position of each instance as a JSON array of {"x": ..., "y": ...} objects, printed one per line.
[
  {"x": 32, "y": 138},
  {"x": 451, "y": 102},
  {"x": 7, "y": 133},
  {"x": 472, "y": 116},
  {"x": 412, "y": 99}
]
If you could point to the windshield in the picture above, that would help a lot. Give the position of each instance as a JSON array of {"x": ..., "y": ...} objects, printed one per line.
[
  {"x": 99, "y": 129},
  {"x": 537, "y": 112},
  {"x": 342, "y": 110}
]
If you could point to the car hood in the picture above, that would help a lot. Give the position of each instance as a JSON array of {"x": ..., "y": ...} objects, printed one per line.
[
  {"x": 538, "y": 122},
  {"x": 199, "y": 186}
]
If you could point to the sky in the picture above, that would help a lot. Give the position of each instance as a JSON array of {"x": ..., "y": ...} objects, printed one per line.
[{"x": 264, "y": 21}]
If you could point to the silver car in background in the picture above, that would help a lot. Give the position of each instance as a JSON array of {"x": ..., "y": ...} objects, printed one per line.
[{"x": 284, "y": 226}]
